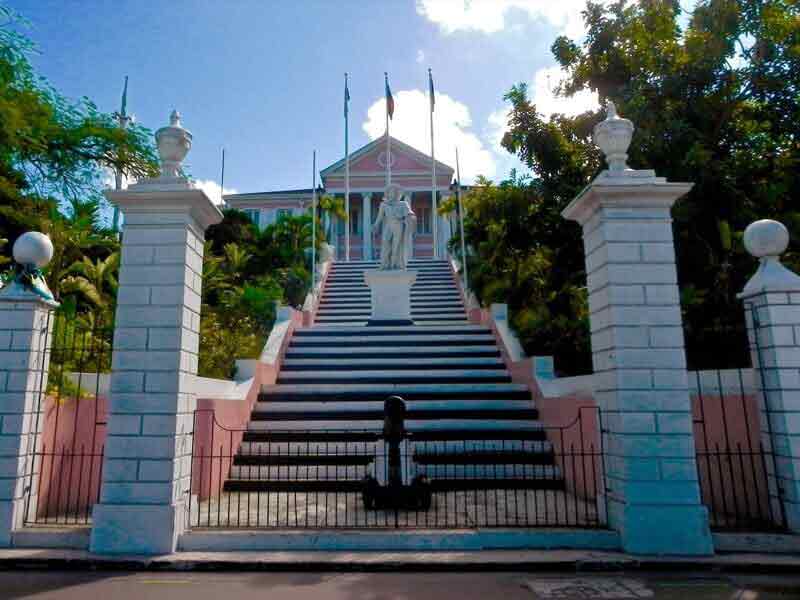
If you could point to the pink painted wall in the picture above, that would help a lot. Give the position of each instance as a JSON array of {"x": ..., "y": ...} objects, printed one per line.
[
  {"x": 72, "y": 442},
  {"x": 220, "y": 425}
]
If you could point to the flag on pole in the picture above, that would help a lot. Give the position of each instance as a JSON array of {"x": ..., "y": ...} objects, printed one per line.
[
  {"x": 430, "y": 87},
  {"x": 346, "y": 97},
  {"x": 123, "y": 112},
  {"x": 389, "y": 98}
]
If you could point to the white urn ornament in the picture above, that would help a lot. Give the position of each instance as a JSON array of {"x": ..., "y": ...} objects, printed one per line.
[
  {"x": 613, "y": 136},
  {"x": 174, "y": 143}
]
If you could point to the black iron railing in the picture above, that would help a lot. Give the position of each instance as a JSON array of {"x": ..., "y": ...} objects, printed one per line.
[
  {"x": 736, "y": 469},
  {"x": 65, "y": 453},
  {"x": 394, "y": 478}
]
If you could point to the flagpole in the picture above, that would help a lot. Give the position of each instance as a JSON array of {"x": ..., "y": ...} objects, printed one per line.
[
  {"x": 346, "y": 172},
  {"x": 434, "y": 215},
  {"x": 388, "y": 139},
  {"x": 314, "y": 224},
  {"x": 123, "y": 120},
  {"x": 461, "y": 227},
  {"x": 222, "y": 179}
]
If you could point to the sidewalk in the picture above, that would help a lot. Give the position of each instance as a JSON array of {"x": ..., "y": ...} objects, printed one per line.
[{"x": 498, "y": 560}]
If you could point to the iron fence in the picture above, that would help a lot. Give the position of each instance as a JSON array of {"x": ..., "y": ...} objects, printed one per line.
[
  {"x": 736, "y": 469},
  {"x": 65, "y": 456},
  {"x": 249, "y": 478}
]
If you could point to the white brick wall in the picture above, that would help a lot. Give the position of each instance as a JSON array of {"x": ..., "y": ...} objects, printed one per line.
[
  {"x": 639, "y": 361},
  {"x": 775, "y": 353},
  {"x": 25, "y": 330},
  {"x": 147, "y": 455}
]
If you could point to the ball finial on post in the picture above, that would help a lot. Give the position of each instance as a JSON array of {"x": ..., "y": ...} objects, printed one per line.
[
  {"x": 32, "y": 252},
  {"x": 766, "y": 238}
]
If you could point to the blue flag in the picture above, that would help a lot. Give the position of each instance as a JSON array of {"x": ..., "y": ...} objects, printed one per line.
[
  {"x": 430, "y": 85},
  {"x": 346, "y": 97},
  {"x": 389, "y": 99}
]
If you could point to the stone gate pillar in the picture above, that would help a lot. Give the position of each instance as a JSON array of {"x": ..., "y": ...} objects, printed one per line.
[
  {"x": 638, "y": 353},
  {"x": 147, "y": 460},
  {"x": 771, "y": 301},
  {"x": 26, "y": 326}
]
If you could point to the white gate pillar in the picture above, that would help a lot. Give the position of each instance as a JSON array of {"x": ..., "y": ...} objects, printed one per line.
[
  {"x": 638, "y": 353},
  {"x": 147, "y": 460},
  {"x": 772, "y": 312},
  {"x": 26, "y": 326}
]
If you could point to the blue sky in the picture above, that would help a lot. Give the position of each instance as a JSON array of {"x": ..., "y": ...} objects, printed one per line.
[{"x": 264, "y": 78}]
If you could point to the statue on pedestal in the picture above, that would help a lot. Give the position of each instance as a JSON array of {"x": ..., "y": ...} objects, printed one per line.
[{"x": 399, "y": 223}]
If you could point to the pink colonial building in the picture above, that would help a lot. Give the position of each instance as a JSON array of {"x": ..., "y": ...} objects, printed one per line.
[{"x": 411, "y": 170}]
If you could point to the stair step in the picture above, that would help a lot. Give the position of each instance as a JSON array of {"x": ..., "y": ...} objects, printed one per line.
[
  {"x": 492, "y": 472},
  {"x": 413, "y": 414},
  {"x": 309, "y": 437},
  {"x": 364, "y": 364},
  {"x": 484, "y": 458},
  {"x": 393, "y": 353},
  {"x": 267, "y": 408},
  {"x": 408, "y": 339},
  {"x": 300, "y": 487},
  {"x": 304, "y": 459},
  {"x": 395, "y": 377},
  {"x": 300, "y": 472},
  {"x": 419, "y": 427},
  {"x": 467, "y": 485},
  {"x": 379, "y": 392}
]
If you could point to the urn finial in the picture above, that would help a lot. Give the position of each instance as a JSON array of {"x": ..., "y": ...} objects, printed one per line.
[
  {"x": 613, "y": 136},
  {"x": 173, "y": 143}
]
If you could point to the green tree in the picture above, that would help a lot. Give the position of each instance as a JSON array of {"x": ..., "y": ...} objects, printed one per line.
[{"x": 715, "y": 101}]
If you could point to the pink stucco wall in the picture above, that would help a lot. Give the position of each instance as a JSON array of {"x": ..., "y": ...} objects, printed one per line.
[
  {"x": 220, "y": 425},
  {"x": 71, "y": 447}
]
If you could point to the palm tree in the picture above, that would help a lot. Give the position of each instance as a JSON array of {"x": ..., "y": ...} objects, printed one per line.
[
  {"x": 330, "y": 206},
  {"x": 95, "y": 281},
  {"x": 236, "y": 259}
]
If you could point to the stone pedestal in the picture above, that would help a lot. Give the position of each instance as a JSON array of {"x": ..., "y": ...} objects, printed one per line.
[
  {"x": 639, "y": 361},
  {"x": 390, "y": 293}
]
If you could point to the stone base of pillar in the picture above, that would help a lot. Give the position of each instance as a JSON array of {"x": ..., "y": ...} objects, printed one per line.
[
  {"x": 136, "y": 529},
  {"x": 390, "y": 293},
  {"x": 660, "y": 529}
]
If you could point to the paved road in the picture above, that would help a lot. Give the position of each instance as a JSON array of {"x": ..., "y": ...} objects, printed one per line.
[{"x": 387, "y": 586}]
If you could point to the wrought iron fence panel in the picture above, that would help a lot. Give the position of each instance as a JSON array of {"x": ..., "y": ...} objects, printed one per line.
[
  {"x": 65, "y": 453},
  {"x": 285, "y": 479}
]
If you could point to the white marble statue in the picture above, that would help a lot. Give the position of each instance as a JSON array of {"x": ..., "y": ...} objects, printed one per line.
[{"x": 399, "y": 223}]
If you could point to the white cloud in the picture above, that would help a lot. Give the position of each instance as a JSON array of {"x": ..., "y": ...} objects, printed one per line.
[
  {"x": 212, "y": 189},
  {"x": 545, "y": 82},
  {"x": 420, "y": 56},
  {"x": 452, "y": 124},
  {"x": 490, "y": 16}
]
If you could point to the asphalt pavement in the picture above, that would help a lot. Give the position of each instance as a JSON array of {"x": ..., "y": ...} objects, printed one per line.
[{"x": 86, "y": 585}]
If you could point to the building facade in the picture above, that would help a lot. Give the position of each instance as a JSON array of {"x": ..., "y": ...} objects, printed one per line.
[{"x": 411, "y": 169}]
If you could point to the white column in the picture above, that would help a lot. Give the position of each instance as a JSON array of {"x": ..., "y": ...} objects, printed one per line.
[
  {"x": 147, "y": 462},
  {"x": 366, "y": 228},
  {"x": 772, "y": 311},
  {"x": 26, "y": 327},
  {"x": 653, "y": 495}
]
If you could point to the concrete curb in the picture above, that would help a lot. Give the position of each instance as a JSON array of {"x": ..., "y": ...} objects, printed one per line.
[{"x": 487, "y": 561}]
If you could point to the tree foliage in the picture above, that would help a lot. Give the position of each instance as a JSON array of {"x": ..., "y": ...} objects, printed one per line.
[{"x": 715, "y": 98}]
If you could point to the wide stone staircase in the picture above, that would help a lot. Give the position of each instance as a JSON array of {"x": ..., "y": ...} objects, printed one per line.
[{"x": 317, "y": 429}]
